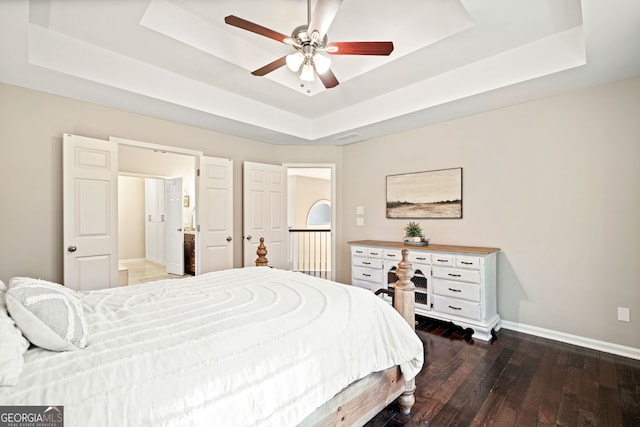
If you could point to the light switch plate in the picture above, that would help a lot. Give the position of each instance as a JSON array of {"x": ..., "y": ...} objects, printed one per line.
[
  {"x": 360, "y": 210},
  {"x": 360, "y": 222},
  {"x": 623, "y": 314}
]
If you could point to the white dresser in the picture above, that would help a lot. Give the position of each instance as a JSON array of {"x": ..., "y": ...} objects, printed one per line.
[{"x": 453, "y": 283}]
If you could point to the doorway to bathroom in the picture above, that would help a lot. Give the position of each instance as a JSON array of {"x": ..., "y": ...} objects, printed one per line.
[{"x": 156, "y": 214}]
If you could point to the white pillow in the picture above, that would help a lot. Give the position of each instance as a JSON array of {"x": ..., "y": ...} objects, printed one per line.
[
  {"x": 13, "y": 345},
  {"x": 48, "y": 314}
]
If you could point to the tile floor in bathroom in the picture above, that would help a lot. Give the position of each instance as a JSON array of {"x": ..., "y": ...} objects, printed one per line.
[{"x": 141, "y": 271}]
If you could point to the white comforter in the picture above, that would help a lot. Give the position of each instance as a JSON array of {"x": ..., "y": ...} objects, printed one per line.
[{"x": 242, "y": 347}]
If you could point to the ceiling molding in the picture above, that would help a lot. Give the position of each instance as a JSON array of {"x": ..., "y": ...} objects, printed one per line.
[{"x": 177, "y": 60}]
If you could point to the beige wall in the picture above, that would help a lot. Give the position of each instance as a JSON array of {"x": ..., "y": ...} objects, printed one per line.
[{"x": 554, "y": 183}]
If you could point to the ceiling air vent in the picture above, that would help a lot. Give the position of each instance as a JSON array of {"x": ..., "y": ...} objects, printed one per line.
[{"x": 348, "y": 137}]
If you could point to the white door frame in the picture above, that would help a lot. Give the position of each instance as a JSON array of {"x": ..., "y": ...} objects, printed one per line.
[
  {"x": 158, "y": 147},
  {"x": 197, "y": 155},
  {"x": 333, "y": 204}
]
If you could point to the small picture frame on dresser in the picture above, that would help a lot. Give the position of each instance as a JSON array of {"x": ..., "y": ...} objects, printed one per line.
[{"x": 425, "y": 195}]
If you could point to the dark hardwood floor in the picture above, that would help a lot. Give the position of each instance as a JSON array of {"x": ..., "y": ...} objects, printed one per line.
[{"x": 517, "y": 380}]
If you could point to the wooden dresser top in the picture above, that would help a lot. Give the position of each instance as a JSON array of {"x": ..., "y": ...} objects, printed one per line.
[{"x": 431, "y": 247}]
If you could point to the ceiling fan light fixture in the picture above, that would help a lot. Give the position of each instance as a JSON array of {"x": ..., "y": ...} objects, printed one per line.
[
  {"x": 307, "y": 72},
  {"x": 308, "y": 41},
  {"x": 322, "y": 63},
  {"x": 294, "y": 61}
]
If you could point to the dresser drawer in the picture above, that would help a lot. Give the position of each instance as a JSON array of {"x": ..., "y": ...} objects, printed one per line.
[
  {"x": 368, "y": 262},
  {"x": 394, "y": 255},
  {"x": 374, "y": 253},
  {"x": 468, "y": 262},
  {"x": 456, "y": 307},
  {"x": 368, "y": 274},
  {"x": 443, "y": 259},
  {"x": 467, "y": 291},
  {"x": 419, "y": 257},
  {"x": 358, "y": 251},
  {"x": 471, "y": 276}
]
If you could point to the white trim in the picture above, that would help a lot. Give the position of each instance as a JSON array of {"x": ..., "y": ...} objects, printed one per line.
[
  {"x": 607, "y": 347},
  {"x": 157, "y": 147},
  {"x": 141, "y": 175}
]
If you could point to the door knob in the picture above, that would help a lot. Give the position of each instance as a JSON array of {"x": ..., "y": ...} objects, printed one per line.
[
  {"x": 249, "y": 237},
  {"x": 72, "y": 248},
  {"x": 229, "y": 238}
]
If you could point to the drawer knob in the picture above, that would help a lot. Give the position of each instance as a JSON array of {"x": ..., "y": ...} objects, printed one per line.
[
  {"x": 454, "y": 308},
  {"x": 465, "y": 263},
  {"x": 443, "y": 260},
  {"x": 455, "y": 290},
  {"x": 454, "y": 275}
]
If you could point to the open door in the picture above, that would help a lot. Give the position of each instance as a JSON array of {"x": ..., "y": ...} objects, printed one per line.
[
  {"x": 174, "y": 247},
  {"x": 215, "y": 215},
  {"x": 265, "y": 213},
  {"x": 90, "y": 213}
]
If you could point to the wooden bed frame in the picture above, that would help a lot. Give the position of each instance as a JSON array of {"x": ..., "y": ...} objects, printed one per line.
[{"x": 362, "y": 400}]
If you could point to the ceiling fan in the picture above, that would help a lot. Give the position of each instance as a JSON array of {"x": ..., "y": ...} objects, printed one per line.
[{"x": 309, "y": 41}]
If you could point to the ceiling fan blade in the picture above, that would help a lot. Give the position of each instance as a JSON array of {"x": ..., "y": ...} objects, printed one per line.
[
  {"x": 360, "y": 48},
  {"x": 270, "y": 67},
  {"x": 323, "y": 15},
  {"x": 328, "y": 79},
  {"x": 255, "y": 28}
]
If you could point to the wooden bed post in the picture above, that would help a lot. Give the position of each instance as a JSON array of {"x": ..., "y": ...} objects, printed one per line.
[
  {"x": 262, "y": 260},
  {"x": 404, "y": 303}
]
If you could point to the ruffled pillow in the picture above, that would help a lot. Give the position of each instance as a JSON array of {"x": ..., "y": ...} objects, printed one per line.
[
  {"x": 13, "y": 345},
  {"x": 48, "y": 314}
]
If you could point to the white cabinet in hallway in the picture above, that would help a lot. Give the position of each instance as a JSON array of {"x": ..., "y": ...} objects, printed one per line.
[{"x": 155, "y": 214}]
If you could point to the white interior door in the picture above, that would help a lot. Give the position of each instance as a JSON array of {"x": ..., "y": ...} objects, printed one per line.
[
  {"x": 154, "y": 194},
  {"x": 215, "y": 215},
  {"x": 90, "y": 212},
  {"x": 265, "y": 213},
  {"x": 174, "y": 256}
]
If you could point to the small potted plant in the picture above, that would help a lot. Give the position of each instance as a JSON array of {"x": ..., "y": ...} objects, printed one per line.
[{"x": 413, "y": 232}]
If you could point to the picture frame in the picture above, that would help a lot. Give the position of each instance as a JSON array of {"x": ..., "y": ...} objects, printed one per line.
[{"x": 425, "y": 195}]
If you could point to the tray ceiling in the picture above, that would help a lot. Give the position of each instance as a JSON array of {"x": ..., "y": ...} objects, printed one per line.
[{"x": 178, "y": 60}]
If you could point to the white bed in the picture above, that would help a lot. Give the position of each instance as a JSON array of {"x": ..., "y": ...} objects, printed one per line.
[{"x": 242, "y": 347}]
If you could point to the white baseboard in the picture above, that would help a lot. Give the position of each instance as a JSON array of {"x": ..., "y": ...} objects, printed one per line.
[{"x": 607, "y": 347}]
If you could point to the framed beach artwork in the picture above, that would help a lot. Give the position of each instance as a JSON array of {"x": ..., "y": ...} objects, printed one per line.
[{"x": 432, "y": 194}]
